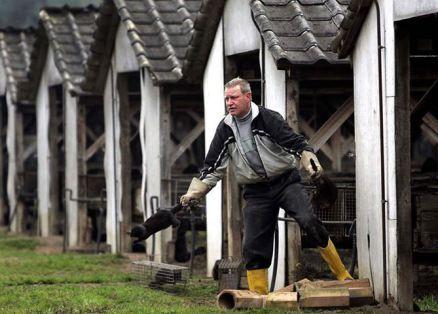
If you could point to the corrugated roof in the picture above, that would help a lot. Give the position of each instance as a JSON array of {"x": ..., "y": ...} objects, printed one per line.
[
  {"x": 15, "y": 50},
  {"x": 171, "y": 38},
  {"x": 299, "y": 31},
  {"x": 69, "y": 32}
]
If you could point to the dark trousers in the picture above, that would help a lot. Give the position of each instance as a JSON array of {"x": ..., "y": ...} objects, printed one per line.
[{"x": 263, "y": 201}]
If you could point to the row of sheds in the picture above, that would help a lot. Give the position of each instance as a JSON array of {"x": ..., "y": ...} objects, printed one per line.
[{"x": 174, "y": 47}]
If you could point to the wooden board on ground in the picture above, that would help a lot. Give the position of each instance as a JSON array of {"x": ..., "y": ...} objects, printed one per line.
[
  {"x": 326, "y": 293},
  {"x": 282, "y": 300},
  {"x": 324, "y": 297}
]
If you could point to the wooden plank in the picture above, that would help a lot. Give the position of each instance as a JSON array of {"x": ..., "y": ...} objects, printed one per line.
[
  {"x": 166, "y": 168},
  {"x": 234, "y": 215},
  {"x": 83, "y": 222},
  {"x": 94, "y": 148},
  {"x": 336, "y": 144},
  {"x": 431, "y": 122},
  {"x": 19, "y": 183},
  {"x": 293, "y": 249},
  {"x": 125, "y": 157},
  {"x": 361, "y": 296},
  {"x": 187, "y": 142},
  {"x": 91, "y": 134},
  {"x": 332, "y": 124},
  {"x": 309, "y": 132},
  {"x": 431, "y": 136},
  {"x": 2, "y": 169},
  {"x": 282, "y": 300},
  {"x": 54, "y": 121},
  {"x": 292, "y": 104},
  {"x": 324, "y": 297},
  {"x": 401, "y": 271}
]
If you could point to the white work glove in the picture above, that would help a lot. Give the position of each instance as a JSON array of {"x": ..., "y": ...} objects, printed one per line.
[
  {"x": 196, "y": 191},
  {"x": 311, "y": 164}
]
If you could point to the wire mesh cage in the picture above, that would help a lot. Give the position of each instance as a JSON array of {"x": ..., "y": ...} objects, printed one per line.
[
  {"x": 339, "y": 218},
  {"x": 155, "y": 274},
  {"x": 230, "y": 270}
]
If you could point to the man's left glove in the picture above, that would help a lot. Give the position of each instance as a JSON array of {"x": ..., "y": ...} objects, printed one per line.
[
  {"x": 196, "y": 191},
  {"x": 311, "y": 164}
]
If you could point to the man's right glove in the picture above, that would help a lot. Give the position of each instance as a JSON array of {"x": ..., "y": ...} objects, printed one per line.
[
  {"x": 311, "y": 164},
  {"x": 196, "y": 191}
]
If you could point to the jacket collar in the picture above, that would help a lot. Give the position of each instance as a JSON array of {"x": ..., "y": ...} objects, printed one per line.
[{"x": 255, "y": 112}]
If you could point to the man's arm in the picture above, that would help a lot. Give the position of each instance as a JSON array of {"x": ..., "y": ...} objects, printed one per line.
[
  {"x": 216, "y": 161},
  {"x": 297, "y": 144},
  {"x": 215, "y": 164},
  {"x": 284, "y": 136}
]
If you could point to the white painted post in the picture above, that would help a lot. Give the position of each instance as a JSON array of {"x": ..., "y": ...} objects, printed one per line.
[
  {"x": 369, "y": 213},
  {"x": 275, "y": 99},
  {"x": 12, "y": 165},
  {"x": 50, "y": 76},
  {"x": 112, "y": 161},
  {"x": 214, "y": 110},
  {"x": 71, "y": 168},
  {"x": 151, "y": 149},
  {"x": 43, "y": 155}
]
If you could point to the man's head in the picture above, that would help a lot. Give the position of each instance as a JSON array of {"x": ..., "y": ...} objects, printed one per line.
[{"x": 238, "y": 97}]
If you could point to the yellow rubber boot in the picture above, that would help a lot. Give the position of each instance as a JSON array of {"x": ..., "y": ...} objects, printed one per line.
[
  {"x": 258, "y": 280},
  {"x": 330, "y": 255}
]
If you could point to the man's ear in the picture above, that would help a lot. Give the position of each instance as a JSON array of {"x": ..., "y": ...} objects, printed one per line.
[{"x": 248, "y": 96}]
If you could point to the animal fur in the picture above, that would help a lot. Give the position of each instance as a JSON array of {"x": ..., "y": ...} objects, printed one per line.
[{"x": 161, "y": 220}]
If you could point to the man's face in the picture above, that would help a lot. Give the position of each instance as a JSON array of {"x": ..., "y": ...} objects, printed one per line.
[{"x": 238, "y": 104}]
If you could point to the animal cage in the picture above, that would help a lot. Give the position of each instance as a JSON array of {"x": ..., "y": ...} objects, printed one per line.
[
  {"x": 229, "y": 273},
  {"x": 155, "y": 274},
  {"x": 340, "y": 217}
]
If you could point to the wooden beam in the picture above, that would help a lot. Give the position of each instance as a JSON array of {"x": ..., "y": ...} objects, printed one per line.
[
  {"x": 336, "y": 144},
  {"x": 93, "y": 148},
  {"x": 431, "y": 122},
  {"x": 401, "y": 270},
  {"x": 91, "y": 134},
  {"x": 332, "y": 124},
  {"x": 293, "y": 249},
  {"x": 234, "y": 215},
  {"x": 427, "y": 101},
  {"x": 194, "y": 115},
  {"x": 29, "y": 150},
  {"x": 309, "y": 132},
  {"x": 125, "y": 158},
  {"x": 83, "y": 220},
  {"x": 430, "y": 134},
  {"x": 187, "y": 141}
]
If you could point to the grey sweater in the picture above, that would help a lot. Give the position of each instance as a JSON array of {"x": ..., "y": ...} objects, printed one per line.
[{"x": 248, "y": 143}]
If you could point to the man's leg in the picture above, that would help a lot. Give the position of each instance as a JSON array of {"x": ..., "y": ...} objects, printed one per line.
[
  {"x": 260, "y": 218},
  {"x": 296, "y": 203}
]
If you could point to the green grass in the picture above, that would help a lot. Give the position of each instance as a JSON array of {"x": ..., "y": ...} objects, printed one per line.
[
  {"x": 77, "y": 283},
  {"x": 428, "y": 303},
  {"x": 33, "y": 282}
]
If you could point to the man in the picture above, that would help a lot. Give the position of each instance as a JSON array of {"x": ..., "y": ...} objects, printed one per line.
[{"x": 263, "y": 151}]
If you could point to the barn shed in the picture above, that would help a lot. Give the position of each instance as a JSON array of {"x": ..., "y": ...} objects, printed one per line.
[
  {"x": 57, "y": 68},
  {"x": 18, "y": 165},
  {"x": 396, "y": 137},
  {"x": 147, "y": 61}
]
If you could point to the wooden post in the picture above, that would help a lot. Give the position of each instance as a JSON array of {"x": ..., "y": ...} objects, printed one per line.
[
  {"x": 234, "y": 215},
  {"x": 293, "y": 251},
  {"x": 214, "y": 111},
  {"x": 82, "y": 170},
  {"x": 403, "y": 170},
  {"x": 19, "y": 183},
  {"x": 125, "y": 155},
  {"x": 2, "y": 168},
  {"x": 54, "y": 216},
  {"x": 336, "y": 144},
  {"x": 166, "y": 165}
]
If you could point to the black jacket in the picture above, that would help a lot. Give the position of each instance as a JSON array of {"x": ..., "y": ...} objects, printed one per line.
[{"x": 277, "y": 144}]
